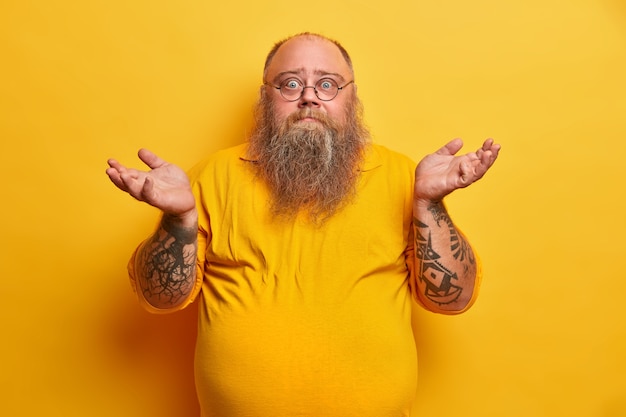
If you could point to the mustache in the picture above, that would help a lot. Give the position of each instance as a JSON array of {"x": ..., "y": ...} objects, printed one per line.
[{"x": 308, "y": 112}]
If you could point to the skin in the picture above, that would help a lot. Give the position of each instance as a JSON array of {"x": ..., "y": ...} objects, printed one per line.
[
  {"x": 309, "y": 59},
  {"x": 445, "y": 264},
  {"x": 166, "y": 259}
]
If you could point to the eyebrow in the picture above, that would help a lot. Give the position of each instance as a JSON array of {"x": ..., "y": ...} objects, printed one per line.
[{"x": 301, "y": 71}]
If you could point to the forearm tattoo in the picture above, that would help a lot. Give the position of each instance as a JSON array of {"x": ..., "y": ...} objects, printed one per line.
[
  {"x": 459, "y": 246},
  {"x": 169, "y": 263},
  {"x": 441, "y": 282}
]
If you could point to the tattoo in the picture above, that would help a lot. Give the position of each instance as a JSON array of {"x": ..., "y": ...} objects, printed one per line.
[
  {"x": 169, "y": 262},
  {"x": 438, "y": 279},
  {"x": 185, "y": 235},
  {"x": 459, "y": 246},
  {"x": 438, "y": 212}
]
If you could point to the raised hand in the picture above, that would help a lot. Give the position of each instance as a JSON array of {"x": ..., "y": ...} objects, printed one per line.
[
  {"x": 165, "y": 186},
  {"x": 442, "y": 172}
]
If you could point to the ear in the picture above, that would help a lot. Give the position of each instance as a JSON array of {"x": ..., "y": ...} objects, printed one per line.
[{"x": 262, "y": 91}]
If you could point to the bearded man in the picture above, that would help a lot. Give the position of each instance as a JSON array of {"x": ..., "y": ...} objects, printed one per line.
[{"x": 305, "y": 247}]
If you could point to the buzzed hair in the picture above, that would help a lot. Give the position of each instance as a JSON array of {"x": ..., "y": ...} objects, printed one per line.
[{"x": 278, "y": 44}]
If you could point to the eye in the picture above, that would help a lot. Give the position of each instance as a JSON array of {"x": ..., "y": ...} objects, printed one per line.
[
  {"x": 326, "y": 84},
  {"x": 291, "y": 84}
]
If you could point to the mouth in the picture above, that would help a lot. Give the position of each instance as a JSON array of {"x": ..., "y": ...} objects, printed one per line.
[{"x": 308, "y": 120}]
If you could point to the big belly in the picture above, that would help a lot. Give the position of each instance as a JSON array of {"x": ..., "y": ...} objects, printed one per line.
[{"x": 343, "y": 361}]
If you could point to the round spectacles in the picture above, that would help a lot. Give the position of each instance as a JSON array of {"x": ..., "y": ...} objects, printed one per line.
[{"x": 325, "y": 89}]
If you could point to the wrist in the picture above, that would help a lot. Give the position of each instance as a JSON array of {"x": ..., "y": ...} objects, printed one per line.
[
  {"x": 426, "y": 203},
  {"x": 184, "y": 225}
]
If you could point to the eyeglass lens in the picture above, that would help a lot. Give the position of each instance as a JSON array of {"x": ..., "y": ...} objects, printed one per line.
[{"x": 325, "y": 89}]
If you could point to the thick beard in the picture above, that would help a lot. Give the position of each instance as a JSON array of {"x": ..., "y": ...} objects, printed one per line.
[{"x": 310, "y": 167}]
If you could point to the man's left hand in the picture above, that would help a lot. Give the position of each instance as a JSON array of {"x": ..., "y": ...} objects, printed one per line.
[{"x": 442, "y": 172}]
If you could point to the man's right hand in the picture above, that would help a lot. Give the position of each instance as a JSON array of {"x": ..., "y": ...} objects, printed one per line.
[{"x": 165, "y": 186}]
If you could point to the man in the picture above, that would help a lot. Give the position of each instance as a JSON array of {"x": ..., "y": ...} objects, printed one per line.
[{"x": 305, "y": 245}]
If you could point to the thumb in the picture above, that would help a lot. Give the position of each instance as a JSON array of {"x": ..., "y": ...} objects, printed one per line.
[{"x": 151, "y": 159}]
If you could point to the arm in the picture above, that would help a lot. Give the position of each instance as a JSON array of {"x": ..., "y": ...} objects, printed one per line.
[
  {"x": 164, "y": 264},
  {"x": 445, "y": 267}
]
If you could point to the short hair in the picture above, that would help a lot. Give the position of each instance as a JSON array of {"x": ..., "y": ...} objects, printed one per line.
[{"x": 278, "y": 44}]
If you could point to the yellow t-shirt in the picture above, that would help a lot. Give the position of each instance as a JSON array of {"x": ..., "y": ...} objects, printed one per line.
[{"x": 304, "y": 320}]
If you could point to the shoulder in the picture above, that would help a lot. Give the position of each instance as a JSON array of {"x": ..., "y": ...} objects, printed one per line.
[
  {"x": 223, "y": 161},
  {"x": 379, "y": 156}
]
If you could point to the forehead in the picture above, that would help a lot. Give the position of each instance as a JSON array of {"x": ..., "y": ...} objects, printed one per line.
[{"x": 308, "y": 56}]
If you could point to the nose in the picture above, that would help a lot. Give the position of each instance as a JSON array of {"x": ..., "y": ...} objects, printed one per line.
[{"x": 308, "y": 98}]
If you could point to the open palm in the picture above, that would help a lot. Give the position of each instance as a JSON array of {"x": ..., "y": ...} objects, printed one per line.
[
  {"x": 442, "y": 172},
  {"x": 165, "y": 186}
]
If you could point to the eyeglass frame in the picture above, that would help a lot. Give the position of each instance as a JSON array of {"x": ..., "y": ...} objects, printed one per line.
[{"x": 339, "y": 88}]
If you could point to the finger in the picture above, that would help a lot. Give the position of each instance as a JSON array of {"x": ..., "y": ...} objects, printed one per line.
[
  {"x": 491, "y": 149},
  {"x": 486, "y": 161},
  {"x": 491, "y": 145},
  {"x": 147, "y": 191},
  {"x": 113, "y": 163},
  {"x": 133, "y": 182},
  {"x": 487, "y": 144},
  {"x": 114, "y": 176},
  {"x": 150, "y": 159},
  {"x": 481, "y": 169},
  {"x": 464, "y": 172},
  {"x": 485, "y": 158},
  {"x": 451, "y": 147},
  {"x": 490, "y": 156},
  {"x": 495, "y": 150}
]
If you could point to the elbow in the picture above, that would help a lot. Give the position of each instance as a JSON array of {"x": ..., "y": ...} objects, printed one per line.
[
  {"x": 455, "y": 308},
  {"x": 158, "y": 305},
  {"x": 161, "y": 299},
  {"x": 453, "y": 302}
]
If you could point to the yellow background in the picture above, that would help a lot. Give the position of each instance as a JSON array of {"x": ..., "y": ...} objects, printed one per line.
[{"x": 81, "y": 81}]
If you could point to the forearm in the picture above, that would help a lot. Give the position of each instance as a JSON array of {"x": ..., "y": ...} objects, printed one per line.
[
  {"x": 166, "y": 262},
  {"x": 445, "y": 264}
]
